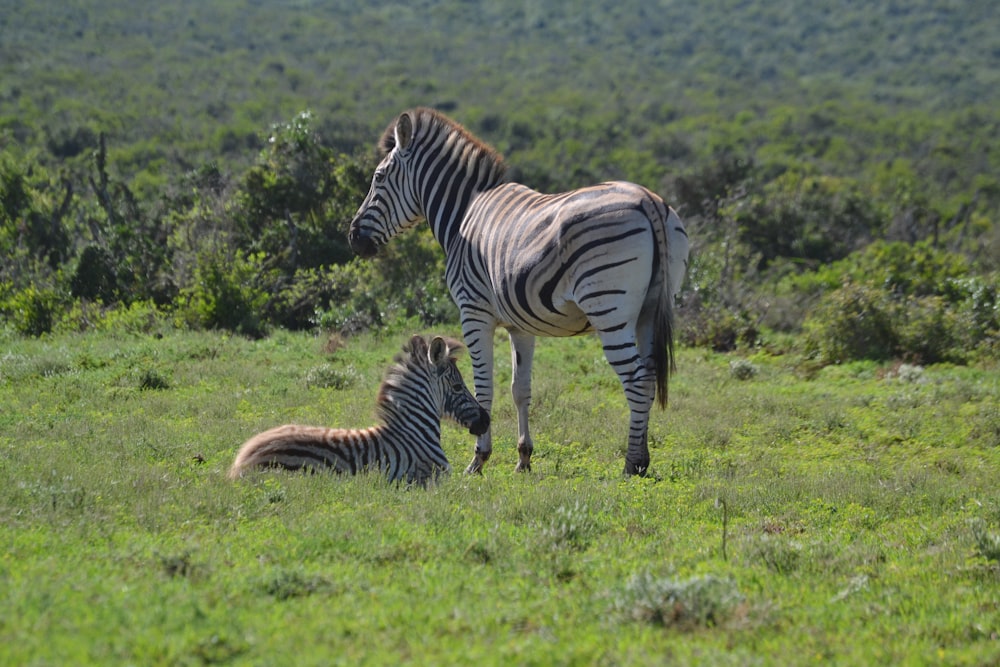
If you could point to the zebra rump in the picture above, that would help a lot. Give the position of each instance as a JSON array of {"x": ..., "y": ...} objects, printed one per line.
[{"x": 422, "y": 386}]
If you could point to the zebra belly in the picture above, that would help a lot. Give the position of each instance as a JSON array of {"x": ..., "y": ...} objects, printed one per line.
[
  {"x": 566, "y": 292},
  {"x": 567, "y": 319}
]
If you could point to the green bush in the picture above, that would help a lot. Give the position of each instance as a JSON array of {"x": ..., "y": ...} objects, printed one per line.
[
  {"x": 868, "y": 322},
  {"x": 987, "y": 542},
  {"x": 853, "y": 322},
  {"x": 33, "y": 311},
  {"x": 227, "y": 294},
  {"x": 405, "y": 281}
]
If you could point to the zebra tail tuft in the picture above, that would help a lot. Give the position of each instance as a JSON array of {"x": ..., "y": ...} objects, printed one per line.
[{"x": 663, "y": 347}]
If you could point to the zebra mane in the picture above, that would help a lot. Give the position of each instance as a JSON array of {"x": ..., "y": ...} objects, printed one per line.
[
  {"x": 426, "y": 115},
  {"x": 413, "y": 357}
]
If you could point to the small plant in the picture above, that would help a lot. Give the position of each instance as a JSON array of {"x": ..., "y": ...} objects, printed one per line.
[
  {"x": 779, "y": 555},
  {"x": 742, "y": 369},
  {"x": 328, "y": 376},
  {"x": 287, "y": 584},
  {"x": 151, "y": 379},
  {"x": 987, "y": 542},
  {"x": 570, "y": 527},
  {"x": 700, "y": 602},
  {"x": 910, "y": 373},
  {"x": 179, "y": 565}
]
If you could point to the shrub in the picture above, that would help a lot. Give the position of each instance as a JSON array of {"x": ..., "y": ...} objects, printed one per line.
[
  {"x": 571, "y": 527},
  {"x": 742, "y": 369},
  {"x": 718, "y": 328},
  {"x": 868, "y": 322},
  {"x": 226, "y": 294},
  {"x": 95, "y": 277},
  {"x": 32, "y": 311},
  {"x": 854, "y": 322},
  {"x": 928, "y": 331}
]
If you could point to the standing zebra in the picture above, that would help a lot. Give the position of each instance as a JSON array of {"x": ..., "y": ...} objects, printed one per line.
[
  {"x": 422, "y": 386},
  {"x": 606, "y": 258}
]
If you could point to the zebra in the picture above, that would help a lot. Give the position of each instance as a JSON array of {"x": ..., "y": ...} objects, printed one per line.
[
  {"x": 422, "y": 386},
  {"x": 607, "y": 258}
]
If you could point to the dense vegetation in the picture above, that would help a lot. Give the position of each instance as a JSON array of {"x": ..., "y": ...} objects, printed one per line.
[{"x": 168, "y": 160}]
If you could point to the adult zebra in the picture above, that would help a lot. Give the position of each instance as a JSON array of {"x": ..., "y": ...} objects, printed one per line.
[{"x": 605, "y": 258}]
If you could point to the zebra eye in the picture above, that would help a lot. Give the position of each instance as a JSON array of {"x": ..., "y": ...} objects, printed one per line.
[
  {"x": 379, "y": 176},
  {"x": 457, "y": 386}
]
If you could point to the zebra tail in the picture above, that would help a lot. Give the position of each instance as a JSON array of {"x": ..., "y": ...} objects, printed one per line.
[
  {"x": 289, "y": 446},
  {"x": 663, "y": 317}
]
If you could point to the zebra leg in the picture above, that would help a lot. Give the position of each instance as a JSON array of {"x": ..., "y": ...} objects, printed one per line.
[
  {"x": 479, "y": 340},
  {"x": 639, "y": 384},
  {"x": 522, "y": 351}
]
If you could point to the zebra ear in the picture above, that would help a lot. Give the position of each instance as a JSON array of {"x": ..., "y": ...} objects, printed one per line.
[
  {"x": 404, "y": 131},
  {"x": 417, "y": 347},
  {"x": 439, "y": 351}
]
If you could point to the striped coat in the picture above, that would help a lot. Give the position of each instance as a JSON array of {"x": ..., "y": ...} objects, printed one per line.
[{"x": 419, "y": 389}]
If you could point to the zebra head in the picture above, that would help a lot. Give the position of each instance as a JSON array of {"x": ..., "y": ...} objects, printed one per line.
[
  {"x": 459, "y": 403},
  {"x": 392, "y": 204}
]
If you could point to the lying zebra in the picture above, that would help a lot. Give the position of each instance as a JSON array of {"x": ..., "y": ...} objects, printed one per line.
[{"x": 422, "y": 386}]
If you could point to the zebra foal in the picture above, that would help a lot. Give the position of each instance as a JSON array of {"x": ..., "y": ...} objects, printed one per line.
[
  {"x": 422, "y": 386},
  {"x": 606, "y": 258}
]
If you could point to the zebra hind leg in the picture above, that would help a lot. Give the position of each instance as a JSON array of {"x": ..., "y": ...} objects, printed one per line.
[
  {"x": 639, "y": 384},
  {"x": 522, "y": 349}
]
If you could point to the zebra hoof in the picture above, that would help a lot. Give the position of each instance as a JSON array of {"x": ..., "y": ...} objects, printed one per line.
[
  {"x": 633, "y": 470},
  {"x": 523, "y": 466},
  {"x": 476, "y": 467}
]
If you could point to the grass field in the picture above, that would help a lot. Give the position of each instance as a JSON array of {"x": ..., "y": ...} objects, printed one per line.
[{"x": 846, "y": 515}]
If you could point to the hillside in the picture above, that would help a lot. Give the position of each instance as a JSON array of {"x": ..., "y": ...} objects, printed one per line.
[{"x": 179, "y": 83}]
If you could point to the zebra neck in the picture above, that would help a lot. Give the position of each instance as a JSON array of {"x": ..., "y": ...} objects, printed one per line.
[
  {"x": 410, "y": 428},
  {"x": 447, "y": 198}
]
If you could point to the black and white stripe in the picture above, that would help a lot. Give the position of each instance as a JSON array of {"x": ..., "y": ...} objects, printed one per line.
[
  {"x": 606, "y": 258},
  {"x": 423, "y": 386}
]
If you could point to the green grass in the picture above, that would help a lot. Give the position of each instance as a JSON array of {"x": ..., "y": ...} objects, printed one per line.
[{"x": 846, "y": 516}]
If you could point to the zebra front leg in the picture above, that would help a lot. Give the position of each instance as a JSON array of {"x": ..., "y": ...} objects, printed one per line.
[
  {"x": 522, "y": 352},
  {"x": 479, "y": 340}
]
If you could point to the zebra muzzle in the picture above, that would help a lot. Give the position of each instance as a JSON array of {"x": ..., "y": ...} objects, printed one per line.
[
  {"x": 482, "y": 424},
  {"x": 362, "y": 245}
]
